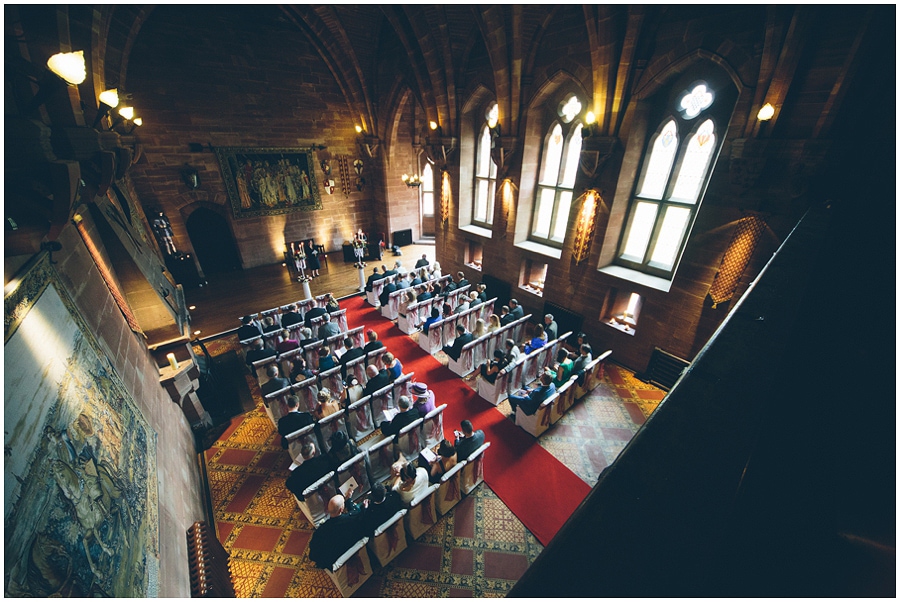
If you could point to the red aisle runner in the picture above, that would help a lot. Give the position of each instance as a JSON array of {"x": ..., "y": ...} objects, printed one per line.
[{"x": 536, "y": 487}]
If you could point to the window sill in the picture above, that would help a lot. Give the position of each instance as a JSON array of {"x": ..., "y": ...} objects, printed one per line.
[
  {"x": 474, "y": 266},
  {"x": 477, "y": 230},
  {"x": 655, "y": 282},
  {"x": 620, "y": 327},
  {"x": 532, "y": 290},
  {"x": 537, "y": 247}
]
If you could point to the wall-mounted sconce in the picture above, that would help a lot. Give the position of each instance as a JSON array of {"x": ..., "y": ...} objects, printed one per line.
[
  {"x": 69, "y": 66},
  {"x": 584, "y": 226},
  {"x": 413, "y": 181},
  {"x": 109, "y": 99},
  {"x": 590, "y": 125},
  {"x": 135, "y": 123},
  {"x": 766, "y": 112},
  {"x": 125, "y": 114},
  {"x": 746, "y": 235},
  {"x": 446, "y": 196},
  {"x": 359, "y": 129},
  {"x": 190, "y": 176}
]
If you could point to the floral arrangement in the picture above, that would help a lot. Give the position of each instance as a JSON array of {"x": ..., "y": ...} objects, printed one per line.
[
  {"x": 358, "y": 244},
  {"x": 304, "y": 278},
  {"x": 359, "y": 265}
]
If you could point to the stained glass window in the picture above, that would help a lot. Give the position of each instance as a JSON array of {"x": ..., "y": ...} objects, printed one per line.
[
  {"x": 427, "y": 190},
  {"x": 696, "y": 160},
  {"x": 659, "y": 165},
  {"x": 485, "y": 172}
]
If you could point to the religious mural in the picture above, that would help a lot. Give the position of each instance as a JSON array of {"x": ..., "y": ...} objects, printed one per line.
[
  {"x": 80, "y": 484},
  {"x": 269, "y": 181}
]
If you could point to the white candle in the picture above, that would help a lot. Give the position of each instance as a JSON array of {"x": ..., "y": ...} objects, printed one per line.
[{"x": 172, "y": 361}]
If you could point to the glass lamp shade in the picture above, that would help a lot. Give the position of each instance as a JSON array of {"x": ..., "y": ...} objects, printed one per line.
[
  {"x": 69, "y": 66},
  {"x": 110, "y": 98},
  {"x": 359, "y": 129},
  {"x": 138, "y": 121},
  {"x": 433, "y": 125},
  {"x": 127, "y": 112},
  {"x": 766, "y": 112}
]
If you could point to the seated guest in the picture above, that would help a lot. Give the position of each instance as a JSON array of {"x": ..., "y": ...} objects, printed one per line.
[
  {"x": 248, "y": 329},
  {"x": 505, "y": 317},
  {"x": 269, "y": 325},
  {"x": 342, "y": 448},
  {"x": 354, "y": 391},
  {"x": 407, "y": 416},
  {"x": 374, "y": 277},
  {"x": 299, "y": 370},
  {"x": 386, "y": 272},
  {"x": 389, "y": 287},
  {"x": 551, "y": 330},
  {"x": 287, "y": 342},
  {"x": 446, "y": 460},
  {"x": 331, "y": 304},
  {"x": 327, "y": 360},
  {"x": 373, "y": 343},
  {"x": 424, "y": 398},
  {"x": 581, "y": 362},
  {"x": 406, "y": 299},
  {"x": 512, "y": 351},
  {"x": 294, "y": 420},
  {"x": 409, "y": 482},
  {"x": 350, "y": 353},
  {"x": 463, "y": 304},
  {"x": 423, "y": 262},
  {"x": 313, "y": 468},
  {"x": 490, "y": 370},
  {"x": 461, "y": 280},
  {"x": 563, "y": 368},
  {"x": 462, "y": 337},
  {"x": 537, "y": 339},
  {"x": 337, "y": 534},
  {"x": 329, "y": 328},
  {"x": 416, "y": 279},
  {"x": 306, "y": 336},
  {"x": 446, "y": 310},
  {"x": 435, "y": 316},
  {"x": 448, "y": 287},
  {"x": 480, "y": 329},
  {"x": 258, "y": 352},
  {"x": 291, "y": 316},
  {"x": 403, "y": 280},
  {"x": 435, "y": 272},
  {"x": 378, "y": 379},
  {"x": 515, "y": 310},
  {"x": 494, "y": 323},
  {"x": 275, "y": 382},
  {"x": 423, "y": 294},
  {"x": 392, "y": 365},
  {"x": 313, "y": 313},
  {"x": 327, "y": 404},
  {"x": 380, "y": 507},
  {"x": 468, "y": 440},
  {"x": 482, "y": 293},
  {"x": 531, "y": 399}
]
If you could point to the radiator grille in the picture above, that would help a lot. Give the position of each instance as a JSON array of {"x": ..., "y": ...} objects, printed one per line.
[
  {"x": 664, "y": 369},
  {"x": 565, "y": 319},
  {"x": 208, "y": 564}
]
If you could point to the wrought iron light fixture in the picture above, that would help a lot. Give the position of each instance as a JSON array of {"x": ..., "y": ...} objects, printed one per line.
[{"x": 413, "y": 181}]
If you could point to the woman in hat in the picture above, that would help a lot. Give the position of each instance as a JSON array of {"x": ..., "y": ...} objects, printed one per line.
[{"x": 424, "y": 398}]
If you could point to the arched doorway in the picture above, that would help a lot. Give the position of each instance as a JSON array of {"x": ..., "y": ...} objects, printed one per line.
[{"x": 212, "y": 241}]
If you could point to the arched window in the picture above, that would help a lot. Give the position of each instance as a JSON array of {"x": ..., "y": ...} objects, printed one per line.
[
  {"x": 558, "y": 168},
  {"x": 673, "y": 179},
  {"x": 485, "y": 173},
  {"x": 427, "y": 190}
]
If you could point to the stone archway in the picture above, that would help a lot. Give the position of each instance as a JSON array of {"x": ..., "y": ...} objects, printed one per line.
[{"x": 212, "y": 241}]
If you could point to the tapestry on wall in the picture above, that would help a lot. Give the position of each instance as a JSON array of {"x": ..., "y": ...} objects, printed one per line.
[
  {"x": 269, "y": 181},
  {"x": 80, "y": 479}
]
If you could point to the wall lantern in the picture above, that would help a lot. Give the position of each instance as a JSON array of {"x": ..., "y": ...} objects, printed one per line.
[
  {"x": 190, "y": 176},
  {"x": 766, "y": 112},
  {"x": 69, "y": 66},
  {"x": 413, "y": 181}
]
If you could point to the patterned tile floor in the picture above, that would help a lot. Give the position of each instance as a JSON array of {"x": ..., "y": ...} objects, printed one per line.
[{"x": 478, "y": 549}]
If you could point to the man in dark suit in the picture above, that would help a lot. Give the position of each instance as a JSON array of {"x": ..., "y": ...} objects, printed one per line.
[
  {"x": 315, "y": 312},
  {"x": 294, "y": 420},
  {"x": 381, "y": 506},
  {"x": 329, "y": 328},
  {"x": 407, "y": 416},
  {"x": 468, "y": 440},
  {"x": 550, "y": 327},
  {"x": 350, "y": 354},
  {"x": 388, "y": 288},
  {"x": 248, "y": 329},
  {"x": 388, "y": 272},
  {"x": 259, "y": 352},
  {"x": 535, "y": 397},
  {"x": 337, "y": 534},
  {"x": 275, "y": 382},
  {"x": 313, "y": 468},
  {"x": 505, "y": 316},
  {"x": 378, "y": 379},
  {"x": 373, "y": 343},
  {"x": 423, "y": 294},
  {"x": 461, "y": 280},
  {"x": 482, "y": 293},
  {"x": 374, "y": 277},
  {"x": 515, "y": 310},
  {"x": 416, "y": 281},
  {"x": 422, "y": 262},
  {"x": 291, "y": 317},
  {"x": 462, "y": 337}
]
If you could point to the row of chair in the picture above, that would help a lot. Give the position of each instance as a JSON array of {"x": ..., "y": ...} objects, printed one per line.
[
  {"x": 271, "y": 338},
  {"x": 373, "y": 296},
  {"x": 524, "y": 371},
  {"x": 481, "y": 349},
  {"x": 443, "y": 332},
  {"x": 420, "y": 311},
  {"x": 310, "y": 353},
  {"x": 354, "y": 567},
  {"x": 554, "y": 407},
  {"x": 303, "y": 306},
  {"x": 392, "y": 308}
]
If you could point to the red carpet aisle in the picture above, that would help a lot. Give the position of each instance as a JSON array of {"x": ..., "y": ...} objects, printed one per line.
[{"x": 536, "y": 487}]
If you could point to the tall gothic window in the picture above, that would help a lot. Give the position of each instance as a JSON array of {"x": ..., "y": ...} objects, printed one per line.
[
  {"x": 485, "y": 173},
  {"x": 427, "y": 190},
  {"x": 675, "y": 171},
  {"x": 558, "y": 167}
]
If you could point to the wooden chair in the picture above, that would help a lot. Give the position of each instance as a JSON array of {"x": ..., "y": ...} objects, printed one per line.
[
  {"x": 422, "y": 513},
  {"x": 330, "y": 425},
  {"x": 382, "y": 400},
  {"x": 360, "y": 420},
  {"x": 473, "y": 473},
  {"x": 315, "y": 499},
  {"x": 433, "y": 427},
  {"x": 341, "y": 318},
  {"x": 298, "y": 439},
  {"x": 401, "y": 386},
  {"x": 449, "y": 493},
  {"x": 308, "y": 392},
  {"x": 431, "y": 342},
  {"x": 409, "y": 440},
  {"x": 540, "y": 421},
  {"x": 355, "y": 467},
  {"x": 332, "y": 379},
  {"x": 381, "y": 457},
  {"x": 389, "y": 539},
  {"x": 352, "y": 569},
  {"x": 566, "y": 400},
  {"x": 497, "y": 391}
]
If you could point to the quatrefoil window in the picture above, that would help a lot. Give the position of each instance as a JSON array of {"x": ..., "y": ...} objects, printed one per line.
[{"x": 695, "y": 101}]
